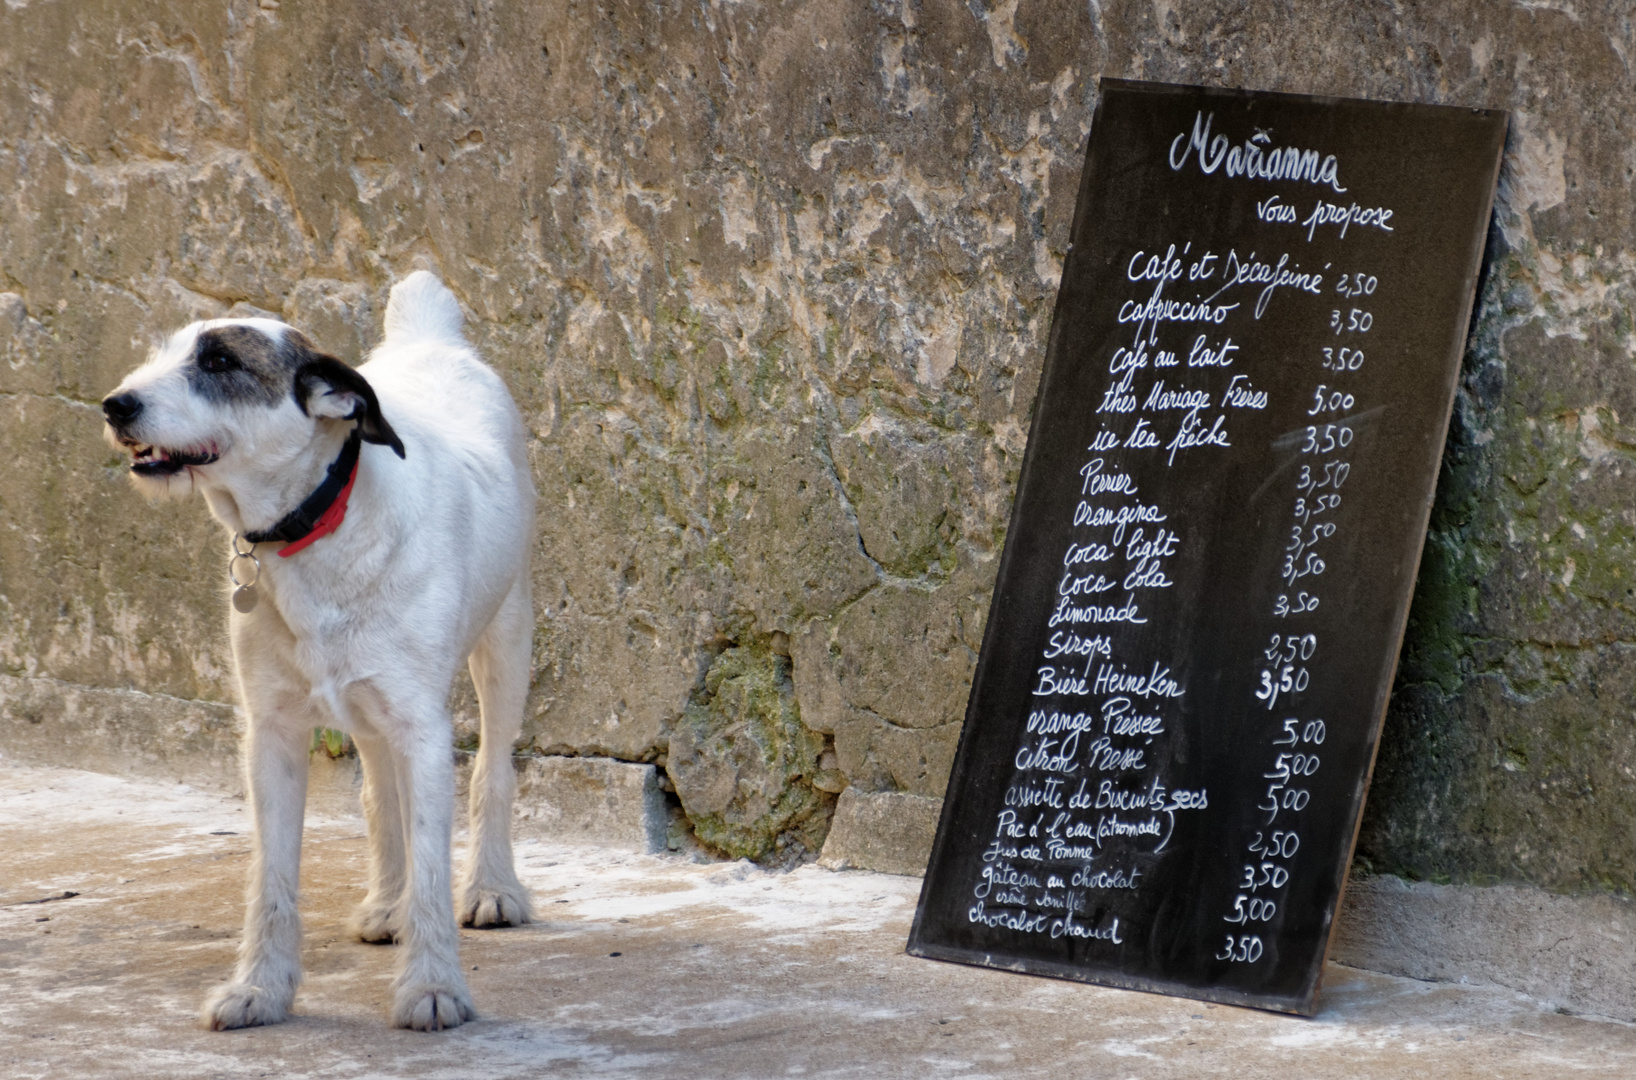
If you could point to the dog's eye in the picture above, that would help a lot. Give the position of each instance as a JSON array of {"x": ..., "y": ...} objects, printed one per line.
[{"x": 217, "y": 361}]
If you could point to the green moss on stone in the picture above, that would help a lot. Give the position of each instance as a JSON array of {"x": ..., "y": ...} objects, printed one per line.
[
  {"x": 743, "y": 763},
  {"x": 333, "y": 744},
  {"x": 1505, "y": 755}
]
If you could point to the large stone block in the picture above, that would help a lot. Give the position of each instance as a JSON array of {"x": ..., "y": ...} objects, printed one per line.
[
  {"x": 1575, "y": 952},
  {"x": 585, "y": 800},
  {"x": 888, "y": 677},
  {"x": 124, "y": 732},
  {"x": 888, "y": 831}
]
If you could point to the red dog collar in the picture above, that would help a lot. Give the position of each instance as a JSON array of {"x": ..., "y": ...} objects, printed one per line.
[{"x": 322, "y": 512}]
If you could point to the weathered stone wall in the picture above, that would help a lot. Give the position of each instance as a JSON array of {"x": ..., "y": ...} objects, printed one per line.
[{"x": 771, "y": 283}]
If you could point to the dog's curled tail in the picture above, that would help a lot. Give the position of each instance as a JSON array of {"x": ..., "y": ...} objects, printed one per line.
[{"x": 422, "y": 307}]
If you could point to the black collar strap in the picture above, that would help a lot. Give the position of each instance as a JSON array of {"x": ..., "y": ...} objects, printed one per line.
[{"x": 299, "y": 523}]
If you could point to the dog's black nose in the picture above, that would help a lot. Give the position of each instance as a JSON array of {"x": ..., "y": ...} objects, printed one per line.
[{"x": 121, "y": 408}]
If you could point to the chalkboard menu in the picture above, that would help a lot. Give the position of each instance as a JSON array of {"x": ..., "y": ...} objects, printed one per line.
[{"x": 1217, "y": 527}]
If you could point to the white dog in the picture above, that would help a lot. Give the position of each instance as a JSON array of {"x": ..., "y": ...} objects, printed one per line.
[{"x": 381, "y": 521}]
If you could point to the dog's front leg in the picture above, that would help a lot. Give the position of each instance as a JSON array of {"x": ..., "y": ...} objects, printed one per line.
[
  {"x": 270, "y": 955},
  {"x": 430, "y": 992}
]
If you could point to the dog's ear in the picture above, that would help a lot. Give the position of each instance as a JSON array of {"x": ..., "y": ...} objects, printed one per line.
[{"x": 326, "y": 387}]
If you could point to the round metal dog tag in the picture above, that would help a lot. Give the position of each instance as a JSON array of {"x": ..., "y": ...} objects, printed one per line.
[{"x": 244, "y": 592}]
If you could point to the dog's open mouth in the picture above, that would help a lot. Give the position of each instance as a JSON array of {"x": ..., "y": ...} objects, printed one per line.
[{"x": 157, "y": 461}]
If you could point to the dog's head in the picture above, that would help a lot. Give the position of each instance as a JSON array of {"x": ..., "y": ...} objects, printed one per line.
[{"x": 233, "y": 394}]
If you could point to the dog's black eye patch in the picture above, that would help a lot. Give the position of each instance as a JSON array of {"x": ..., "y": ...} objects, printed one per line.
[{"x": 239, "y": 365}]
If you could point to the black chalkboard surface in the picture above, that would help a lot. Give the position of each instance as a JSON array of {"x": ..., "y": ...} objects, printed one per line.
[{"x": 1214, "y": 541}]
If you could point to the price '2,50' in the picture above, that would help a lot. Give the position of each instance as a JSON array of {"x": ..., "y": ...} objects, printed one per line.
[{"x": 1360, "y": 284}]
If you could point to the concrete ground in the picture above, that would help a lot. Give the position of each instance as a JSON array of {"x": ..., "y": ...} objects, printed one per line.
[{"x": 647, "y": 966}]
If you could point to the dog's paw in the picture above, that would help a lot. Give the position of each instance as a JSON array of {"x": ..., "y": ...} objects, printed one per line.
[
  {"x": 374, "y": 923},
  {"x": 432, "y": 1006},
  {"x": 484, "y": 906},
  {"x": 241, "y": 1005}
]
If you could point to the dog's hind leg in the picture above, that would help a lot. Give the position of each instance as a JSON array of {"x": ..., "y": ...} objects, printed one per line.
[
  {"x": 430, "y": 991},
  {"x": 379, "y": 918},
  {"x": 275, "y": 758},
  {"x": 489, "y": 893}
]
